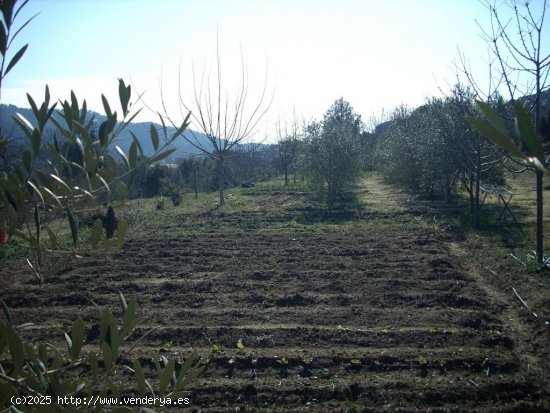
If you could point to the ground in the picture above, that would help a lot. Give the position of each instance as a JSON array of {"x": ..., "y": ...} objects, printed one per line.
[{"x": 385, "y": 304}]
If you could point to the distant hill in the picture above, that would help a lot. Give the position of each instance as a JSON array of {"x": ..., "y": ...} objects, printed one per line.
[
  {"x": 544, "y": 100},
  {"x": 141, "y": 130}
]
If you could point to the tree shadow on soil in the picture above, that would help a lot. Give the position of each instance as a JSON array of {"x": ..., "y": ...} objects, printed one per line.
[{"x": 346, "y": 207}]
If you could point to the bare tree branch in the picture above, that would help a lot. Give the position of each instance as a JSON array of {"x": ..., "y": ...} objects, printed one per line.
[{"x": 227, "y": 120}]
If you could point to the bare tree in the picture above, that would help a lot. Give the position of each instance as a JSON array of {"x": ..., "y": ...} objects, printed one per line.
[
  {"x": 228, "y": 120},
  {"x": 523, "y": 69}
]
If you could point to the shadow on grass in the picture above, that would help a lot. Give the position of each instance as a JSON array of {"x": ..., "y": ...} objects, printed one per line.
[
  {"x": 301, "y": 206},
  {"x": 305, "y": 208},
  {"x": 456, "y": 215}
]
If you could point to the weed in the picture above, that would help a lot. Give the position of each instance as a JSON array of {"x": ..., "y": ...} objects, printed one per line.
[
  {"x": 423, "y": 363},
  {"x": 9, "y": 249},
  {"x": 283, "y": 361},
  {"x": 422, "y": 360},
  {"x": 307, "y": 360},
  {"x": 160, "y": 204},
  {"x": 442, "y": 366},
  {"x": 283, "y": 370}
]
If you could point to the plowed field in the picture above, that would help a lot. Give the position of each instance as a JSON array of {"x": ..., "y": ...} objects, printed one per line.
[{"x": 370, "y": 308}]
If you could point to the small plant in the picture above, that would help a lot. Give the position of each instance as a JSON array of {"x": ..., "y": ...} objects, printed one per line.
[
  {"x": 168, "y": 345},
  {"x": 45, "y": 372},
  {"x": 57, "y": 325},
  {"x": 283, "y": 361},
  {"x": 283, "y": 370},
  {"x": 423, "y": 362},
  {"x": 240, "y": 344},
  {"x": 443, "y": 366},
  {"x": 354, "y": 365}
]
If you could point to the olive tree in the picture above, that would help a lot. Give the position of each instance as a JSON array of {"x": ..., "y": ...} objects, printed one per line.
[
  {"x": 76, "y": 168},
  {"x": 333, "y": 150},
  {"x": 288, "y": 142},
  {"x": 418, "y": 149},
  {"x": 82, "y": 171},
  {"x": 432, "y": 128},
  {"x": 395, "y": 152}
]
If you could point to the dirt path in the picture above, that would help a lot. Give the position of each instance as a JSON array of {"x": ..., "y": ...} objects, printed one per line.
[
  {"x": 374, "y": 311},
  {"x": 514, "y": 317}
]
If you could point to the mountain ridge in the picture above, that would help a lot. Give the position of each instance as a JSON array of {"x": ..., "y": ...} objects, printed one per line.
[{"x": 140, "y": 129}]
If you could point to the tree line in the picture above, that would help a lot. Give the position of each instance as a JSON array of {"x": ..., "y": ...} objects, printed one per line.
[{"x": 431, "y": 149}]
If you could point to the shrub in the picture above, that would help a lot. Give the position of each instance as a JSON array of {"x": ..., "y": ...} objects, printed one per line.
[
  {"x": 171, "y": 190},
  {"x": 160, "y": 204}
]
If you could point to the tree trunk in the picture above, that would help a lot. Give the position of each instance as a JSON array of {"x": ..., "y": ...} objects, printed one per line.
[
  {"x": 221, "y": 182},
  {"x": 539, "y": 176},
  {"x": 540, "y": 236},
  {"x": 196, "y": 186},
  {"x": 286, "y": 175},
  {"x": 329, "y": 180},
  {"x": 330, "y": 200},
  {"x": 477, "y": 207},
  {"x": 471, "y": 192}
]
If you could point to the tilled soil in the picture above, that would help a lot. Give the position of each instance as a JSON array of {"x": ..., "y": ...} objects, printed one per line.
[{"x": 375, "y": 312}]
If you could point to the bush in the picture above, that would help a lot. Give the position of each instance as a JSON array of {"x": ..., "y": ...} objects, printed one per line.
[{"x": 171, "y": 190}]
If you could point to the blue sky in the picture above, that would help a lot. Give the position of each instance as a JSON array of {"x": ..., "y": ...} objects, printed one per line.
[{"x": 375, "y": 54}]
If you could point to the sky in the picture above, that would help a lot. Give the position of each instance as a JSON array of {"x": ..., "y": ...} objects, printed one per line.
[{"x": 376, "y": 54}]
